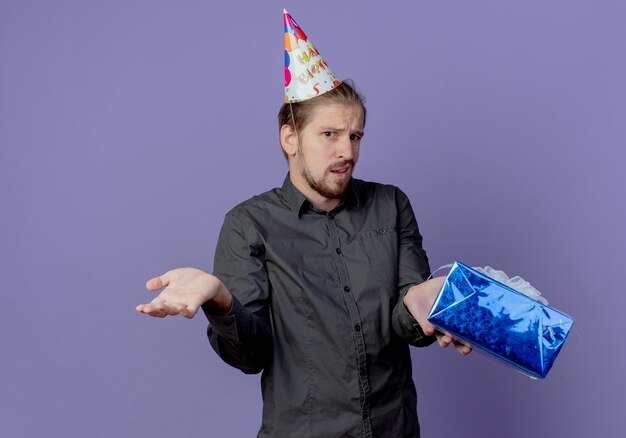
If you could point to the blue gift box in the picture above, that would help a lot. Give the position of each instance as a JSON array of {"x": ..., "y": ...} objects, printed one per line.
[{"x": 500, "y": 320}]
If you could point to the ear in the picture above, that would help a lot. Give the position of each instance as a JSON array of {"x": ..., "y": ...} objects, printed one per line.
[{"x": 288, "y": 140}]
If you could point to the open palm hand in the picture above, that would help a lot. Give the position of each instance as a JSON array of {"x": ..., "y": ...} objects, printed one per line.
[{"x": 186, "y": 289}]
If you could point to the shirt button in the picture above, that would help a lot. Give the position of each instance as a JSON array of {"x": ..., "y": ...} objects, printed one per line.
[
  {"x": 357, "y": 328},
  {"x": 382, "y": 231},
  {"x": 346, "y": 288},
  {"x": 331, "y": 215},
  {"x": 338, "y": 250}
]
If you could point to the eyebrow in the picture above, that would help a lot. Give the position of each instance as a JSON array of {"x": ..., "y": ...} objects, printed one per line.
[{"x": 329, "y": 128}]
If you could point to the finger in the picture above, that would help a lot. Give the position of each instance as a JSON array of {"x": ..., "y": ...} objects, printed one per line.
[
  {"x": 149, "y": 307},
  {"x": 461, "y": 341},
  {"x": 443, "y": 339},
  {"x": 446, "y": 338},
  {"x": 167, "y": 308},
  {"x": 152, "y": 310},
  {"x": 159, "y": 282},
  {"x": 425, "y": 325},
  {"x": 467, "y": 344},
  {"x": 159, "y": 306},
  {"x": 462, "y": 348},
  {"x": 141, "y": 307},
  {"x": 427, "y": 328},
  {"x": 174, "y": 309},
  {"x": 189, "y": 312}
]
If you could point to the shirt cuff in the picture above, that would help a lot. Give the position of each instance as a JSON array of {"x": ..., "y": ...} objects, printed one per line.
[
  {"x": 409, "y": 329},
  {"x": 224, "y": 325}
]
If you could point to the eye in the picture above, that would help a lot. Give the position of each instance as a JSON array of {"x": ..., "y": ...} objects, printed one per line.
[
  {"x": 355, "y": 137},
  {"x": 328, "y": 134}
]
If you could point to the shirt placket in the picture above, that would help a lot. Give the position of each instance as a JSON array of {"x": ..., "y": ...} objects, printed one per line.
[{"x": 355, "y": 320}]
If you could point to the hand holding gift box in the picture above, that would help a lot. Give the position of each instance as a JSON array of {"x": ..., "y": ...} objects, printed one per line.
[
  {"x": 500, "y": 320},
  {"x": 418, "y": 301}
]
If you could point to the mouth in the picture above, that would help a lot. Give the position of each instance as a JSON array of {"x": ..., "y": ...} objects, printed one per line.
[{"x": 342, "y": 171}]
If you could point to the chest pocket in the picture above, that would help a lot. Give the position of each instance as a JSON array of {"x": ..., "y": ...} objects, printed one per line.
[{"x": 380, "y": 248}]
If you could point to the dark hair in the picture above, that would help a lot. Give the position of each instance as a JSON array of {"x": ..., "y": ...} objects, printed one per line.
[{"x": 345, "y": 94}]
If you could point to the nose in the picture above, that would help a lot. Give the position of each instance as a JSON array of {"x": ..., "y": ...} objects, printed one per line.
[{"x": 345, "y": 148}]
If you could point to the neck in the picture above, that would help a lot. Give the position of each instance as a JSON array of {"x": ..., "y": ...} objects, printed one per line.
[
  {"x": 320, "y": 202},
  {"x": 324, "y": 204}
]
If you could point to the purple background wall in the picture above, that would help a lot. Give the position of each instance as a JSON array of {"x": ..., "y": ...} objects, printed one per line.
[{"x": 128, "y": 129}]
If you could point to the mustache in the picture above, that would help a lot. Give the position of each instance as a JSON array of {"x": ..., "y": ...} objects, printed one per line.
[{"x": 340, "y": 164}]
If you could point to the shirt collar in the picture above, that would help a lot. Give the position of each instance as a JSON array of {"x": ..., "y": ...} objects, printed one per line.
[{"x": 297, "y": 202}]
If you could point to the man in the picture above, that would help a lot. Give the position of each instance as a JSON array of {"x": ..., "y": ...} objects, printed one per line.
[{"x": 320, "y": 285}]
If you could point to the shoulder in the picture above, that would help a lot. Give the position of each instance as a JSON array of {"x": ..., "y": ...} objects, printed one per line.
[
  {"x": 258, "y": 206},
  {"x": 270, "y": 198},
  {"x": 369, "y": 191}
]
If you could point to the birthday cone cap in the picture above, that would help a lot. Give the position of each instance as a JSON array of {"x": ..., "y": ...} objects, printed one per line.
[{"x": 306, "y": 73}]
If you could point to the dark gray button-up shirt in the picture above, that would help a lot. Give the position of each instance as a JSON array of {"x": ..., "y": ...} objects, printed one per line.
[{"x": 318, "y": 308}]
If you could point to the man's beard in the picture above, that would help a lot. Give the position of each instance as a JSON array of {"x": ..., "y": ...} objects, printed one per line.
[{"x": 329, "y": 191}]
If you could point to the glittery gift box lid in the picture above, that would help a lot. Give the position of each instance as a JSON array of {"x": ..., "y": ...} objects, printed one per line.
[{"x": 500, "y": 320}]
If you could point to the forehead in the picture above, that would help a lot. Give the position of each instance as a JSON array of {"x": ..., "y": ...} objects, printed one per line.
[{"x": 329, "y": 114}]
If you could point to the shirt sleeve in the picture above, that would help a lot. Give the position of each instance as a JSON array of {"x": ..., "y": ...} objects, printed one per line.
[
  {"x": 241, "y": 337},
  {"x": 413, "y": 269}
]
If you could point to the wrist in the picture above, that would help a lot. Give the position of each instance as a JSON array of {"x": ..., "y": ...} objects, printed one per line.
[
  {"x": 221, "y": 300},
  {"x": 408, "y": 296}
]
